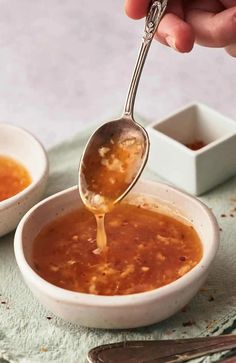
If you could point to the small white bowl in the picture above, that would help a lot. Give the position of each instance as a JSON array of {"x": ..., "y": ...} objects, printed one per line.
[
  {"x": 118, "y": 312},
  {"x": 200, "y": 170},
  {"x": 25, "y": 148}
]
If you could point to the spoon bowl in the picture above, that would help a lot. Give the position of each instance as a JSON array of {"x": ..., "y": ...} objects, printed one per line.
[{"x": 119, "y": 148}]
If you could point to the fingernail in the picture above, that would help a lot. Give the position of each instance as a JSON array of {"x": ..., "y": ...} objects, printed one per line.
[
  {"x": 231, "y": 50},
  {"x": 171, "y": 42}
]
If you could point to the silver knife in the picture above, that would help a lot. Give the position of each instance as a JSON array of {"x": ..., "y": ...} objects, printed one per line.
[{"x": 161, "y": 351}]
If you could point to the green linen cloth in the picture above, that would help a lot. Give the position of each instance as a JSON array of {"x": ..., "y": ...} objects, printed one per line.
[{"x": 30, "y": 334}]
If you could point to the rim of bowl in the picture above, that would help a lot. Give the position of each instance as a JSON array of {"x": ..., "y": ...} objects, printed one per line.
[
  {"x": 6, "y": 203},
  {"x": 72, "y": 297}
]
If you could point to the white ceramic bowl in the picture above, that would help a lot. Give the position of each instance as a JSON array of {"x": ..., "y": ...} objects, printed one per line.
[
  {"x": 22, "y": 146},
  {"x": 118, "y": 311},
  {"x": 194, "y": 171}
]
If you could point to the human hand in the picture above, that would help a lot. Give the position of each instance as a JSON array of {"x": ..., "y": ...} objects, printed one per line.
[{"x": 211, "y": 23}]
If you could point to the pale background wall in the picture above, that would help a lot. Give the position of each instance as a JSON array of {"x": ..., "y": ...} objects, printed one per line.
[{"x": 67, "y": 63}]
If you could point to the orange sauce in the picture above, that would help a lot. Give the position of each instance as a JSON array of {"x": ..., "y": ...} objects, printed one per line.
[
  {"x": 196, "y": 145},
  {"x": 14, "y": 177},
  {"x": 107, "y": 171},
  {"x": 146, "y": 250}
]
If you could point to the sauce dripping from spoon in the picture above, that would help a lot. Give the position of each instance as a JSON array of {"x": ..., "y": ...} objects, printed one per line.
[
  {"x": 107, "y": 171},
  {"x": 101, "y": 232}
]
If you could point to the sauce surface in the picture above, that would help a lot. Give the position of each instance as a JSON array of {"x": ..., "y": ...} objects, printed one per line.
[
  {"x": 14, "y": 177},
  {"x": 196, "y": 145},
  {"x": 145, "y": 250}
]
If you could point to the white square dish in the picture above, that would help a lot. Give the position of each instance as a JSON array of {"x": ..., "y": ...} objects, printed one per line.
[{"x": 195, "y": 171}]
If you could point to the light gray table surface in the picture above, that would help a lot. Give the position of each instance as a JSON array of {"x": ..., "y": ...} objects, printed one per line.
[{"x": 65, "y": 64}]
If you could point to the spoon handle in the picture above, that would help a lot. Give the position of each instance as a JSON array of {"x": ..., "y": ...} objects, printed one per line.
[
  {"x": 160, "y": 351},
  {"x": 153, "y": 19}
]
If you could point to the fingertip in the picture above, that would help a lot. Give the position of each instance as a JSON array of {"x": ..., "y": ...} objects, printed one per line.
[
  {"x": 176, "y": 33},
  {"x": 136, "y": 9},
  {"x": 184, "y": 38}
]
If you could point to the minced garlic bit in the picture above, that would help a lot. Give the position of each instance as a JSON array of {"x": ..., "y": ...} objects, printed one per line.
[
  {"x": 145, "y": 268},
  {"x": 95, "y": 200},
  {"x": 75, "y": 237},
  {"x": 129, "y": 269},
  {"x": 98, "y": 199},
  {"x": 54, "y": 268},
  {"x": 97, "y": 251},
  {"x": 112, "y": 180},
  {"x": 106, "y": 269},
  {"x": 103, "y": 150},
  {"x": 92, "y": 287},
  {"x": 127, "y": 142},
  {"x": 167, "y": 240},
  {"x": 115, "y": 223},
  {"x": 183, "y": 270},
  {"x": 160, "y": 256},
  {"x": 113, "y": 164},
  {"x": 71, "y": 262}
]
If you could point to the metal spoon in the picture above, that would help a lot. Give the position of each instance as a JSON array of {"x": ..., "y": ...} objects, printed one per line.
[
  {"x": 123, "y": 134},
  {"x": 162, "y": 351}
]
